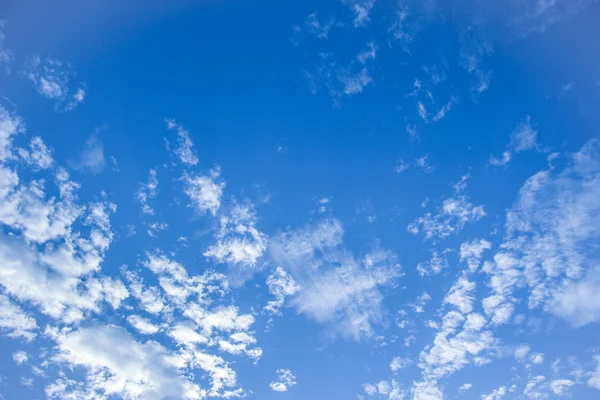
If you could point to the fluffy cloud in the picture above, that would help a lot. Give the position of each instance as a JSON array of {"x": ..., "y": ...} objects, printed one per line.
[
  {"x": 550, "y": 228},
  {"x": 336, "y": 288},
  {"x": 471, "y": 252},
  {"x": 385, "y": 389},
  {"x": 285, "y": 380},
  {"x": 450, "y": 218},
  {"x": 239, "y": 242},
  {"x": 204, "y": 191},
  {"x": 281, "y": 285},
  {"x": 117, "y": 364},
  {"x": 15, "y": 322}
]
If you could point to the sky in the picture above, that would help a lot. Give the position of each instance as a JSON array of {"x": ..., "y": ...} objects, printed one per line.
[{"x": 343, "y": 199}]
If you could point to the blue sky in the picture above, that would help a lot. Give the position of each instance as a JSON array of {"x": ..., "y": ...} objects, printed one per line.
[{"x": 351, "y": 199}]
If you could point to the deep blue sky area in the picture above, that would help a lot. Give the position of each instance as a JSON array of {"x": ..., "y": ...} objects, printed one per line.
[{"x": 345, "y": 199}]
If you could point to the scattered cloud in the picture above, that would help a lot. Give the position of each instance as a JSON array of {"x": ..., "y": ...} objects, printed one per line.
[
  {"x": 51, "y": 78},
  {"x": 238, "y": 241},
  {"x": 524, "y": 137},
  {"x": 184, "y": 150},
  {"x": 337, "y": 289},
  {"x": 91, "y": 159},
  {"x": 204, "y": 192},
  {"x": 450, "y": 218},
  {"x": 148, "y": 191},
  {"x": 285, "y": 380},
  {"x": 370, "y": 53},
  {"x": 317, "y": 28}
]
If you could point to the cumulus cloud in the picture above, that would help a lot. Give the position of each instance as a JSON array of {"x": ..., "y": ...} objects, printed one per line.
[
  {"x": 285, "y": 380},
  {"x": 118, "y": 365},
  {"x": 238, "y": 241},
  {"x": 472, "y": 251},
  {"x": 205, "y": 192},
  {"x": 385, "y": 389},
  {"x": 15, "y": 323},
  {"x": 20, "y": 357}
]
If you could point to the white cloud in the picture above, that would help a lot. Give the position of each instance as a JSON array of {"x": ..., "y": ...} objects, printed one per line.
[
  {"x": 399, "y": 363},
  {"x": 472, "y": 251},
  {"x": 336, "y": 288},
  {"x": 285, "y": 380},
  {"x": 92, "y": 158},
  {"x": 466, "y": 387},
  {"x": 184, "y": 150},
  {"x": 14, "y": 322},
  {"x": 474, "y": 50},
  {"x": 385, "y": 389},
  {"x": 47, "y": 260},
  {"x": 355, "y": 83},
  {"x": 532, "y": 16},
  {"x": 496, "y": 394},
  {"x": 51, "y": 78},
  {"x": 281, "y": 285},
  {"x": 239, "y": 242},
  {"x": 143, "y": 325},
  {"x": 204, "y": 191},
  {"x": 148, "y": 191},
  {"x": 401, "y": 166},
  {"x": 10, "y": 125},
  {"x": 522, "y": 351},
  {"x": 501, "y": 162},
  {"x": 594, "y": 379},
  {"x": 39, "y": 155},
  {"x": 445, "y": 109},
  {"x": 150, "y": 298},
  {"x": 461, "y": 340},
  {"x": 361, "y": 10},
  {"x": 561, "y": 386},
  {"x": 460, "y": 295},
  {"x": 579, "y": 303},
  {"x": 317, "y": 28},
  {"x": 451, "y": 218},
  {"x": 548, "y": 233},
  {"x": 422, "y": 300},
  {"x": 20, "y": 357},
  {"x": 368, "y": 54},
  {"x": 118, "y": 365},
  {"x": 524, "y": 137},
  {"x": 426, "y": 390},
  {"x": 434, "y": 266},
  {"x": 6, "y": 55},
  {"x": 423, "y": 164}
]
